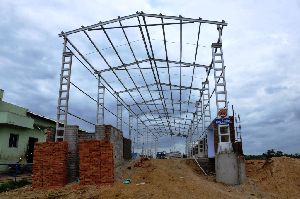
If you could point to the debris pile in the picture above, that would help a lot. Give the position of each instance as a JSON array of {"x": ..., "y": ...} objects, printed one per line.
[{"x": 141, "y": 162}]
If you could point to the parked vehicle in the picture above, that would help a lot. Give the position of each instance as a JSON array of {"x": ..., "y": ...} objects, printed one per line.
[{"x": 161, "y": 155}]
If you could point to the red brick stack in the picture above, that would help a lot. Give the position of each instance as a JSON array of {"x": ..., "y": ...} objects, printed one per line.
[
  {"x": 50, "y": 165},
  {"x": 96, "y": 162}
]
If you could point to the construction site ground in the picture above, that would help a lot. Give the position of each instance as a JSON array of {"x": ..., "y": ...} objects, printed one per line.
[{"x": 180, "y": 178}]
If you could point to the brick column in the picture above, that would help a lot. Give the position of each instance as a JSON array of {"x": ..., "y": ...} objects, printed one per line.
[
  {"x": 99, "y": 132},
  {"x": 71, "y": 137}
]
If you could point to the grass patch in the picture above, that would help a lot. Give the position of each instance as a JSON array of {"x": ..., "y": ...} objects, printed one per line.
[{"x": 13, "y": 185}]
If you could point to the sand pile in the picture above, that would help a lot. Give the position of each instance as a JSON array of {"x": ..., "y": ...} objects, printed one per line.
[{"x": 280, "y": 176}]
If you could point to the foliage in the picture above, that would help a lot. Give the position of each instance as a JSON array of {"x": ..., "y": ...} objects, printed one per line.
[
  {"x": 269, "y": 154},
  {"x": 13, "y": 185}
]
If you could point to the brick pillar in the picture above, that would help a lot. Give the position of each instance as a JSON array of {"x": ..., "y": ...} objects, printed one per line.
[
  {"x": 99, "y": 132},
  {"x": 71, "y": 137}
]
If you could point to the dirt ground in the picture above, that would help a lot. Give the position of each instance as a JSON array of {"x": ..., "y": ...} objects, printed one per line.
[{"x": 279, "y": 178}]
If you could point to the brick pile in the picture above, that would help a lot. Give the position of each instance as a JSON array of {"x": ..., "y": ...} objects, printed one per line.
[
  {"x": 50, "y": 165},
  {"x": 96, "y": 162}
]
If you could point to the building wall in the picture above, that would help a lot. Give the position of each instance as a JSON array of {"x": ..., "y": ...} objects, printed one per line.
[
  {"x": 18, "y": 120},
  {"x": 14, "y": 115},
  {"x": 210, "y": 143},
  {"x": 12, "y": 155}
]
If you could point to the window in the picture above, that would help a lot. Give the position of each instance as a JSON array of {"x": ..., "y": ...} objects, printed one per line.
[
  {"x": 223, "y": 129},
  {"x": 224, "y": 138},
  {"x": 13, "y": 140},
  {"x": 224, "y": 133}
]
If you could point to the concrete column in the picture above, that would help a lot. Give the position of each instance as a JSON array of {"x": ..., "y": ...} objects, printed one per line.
[
  {"x": 99, "y": 132},
  {"x": 71, "y": 137}
]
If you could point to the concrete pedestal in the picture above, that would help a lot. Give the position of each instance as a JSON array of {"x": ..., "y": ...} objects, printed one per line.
[
  {"x": 99, "y": 132},
  {"x": 71, "y": 137},
  {"x": 242, "y": 169},
  {"x": 230, "y": 168}
]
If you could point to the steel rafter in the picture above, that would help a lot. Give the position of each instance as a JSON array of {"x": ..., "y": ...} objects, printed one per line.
[
  {"x": 165, "y": 114},
  {"x": 93, "y": 68}
]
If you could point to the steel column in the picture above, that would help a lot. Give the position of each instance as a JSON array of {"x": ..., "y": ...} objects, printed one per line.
[
  {"x": 100, "y": 102},
  {"x": 119, "y": 114},
  {"x": 221, "y": 92},
  {"x": 64, "y": 89}
]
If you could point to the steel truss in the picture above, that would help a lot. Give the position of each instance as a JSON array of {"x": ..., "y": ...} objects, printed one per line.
[{"x": 159, "y": 105}]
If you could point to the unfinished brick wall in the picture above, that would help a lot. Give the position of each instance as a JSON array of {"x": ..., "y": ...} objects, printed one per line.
[
  {"x": 238, "y": 148},
  {"x": 216, "y": 137},
  {"x": 83, "y": 136},
  {"x": 50, "y": 165},
  {"x": 115, "y": 136},
  {"x": 232, "y": 130},
  {"x": 96, "y": 162}
]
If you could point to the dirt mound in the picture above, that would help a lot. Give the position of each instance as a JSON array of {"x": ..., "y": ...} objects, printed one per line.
[
  {"x": 180, "y": 178},
  {"x": 279, "y": 176}
]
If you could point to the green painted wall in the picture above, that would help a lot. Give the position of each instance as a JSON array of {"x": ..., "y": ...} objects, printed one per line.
[
  {"x": 15, "y": 119},
  {"x": 8, "y": 107},
  {"x": 12, "y": 155}
]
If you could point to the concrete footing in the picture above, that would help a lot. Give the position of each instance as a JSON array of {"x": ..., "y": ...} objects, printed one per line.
[{"x": 230, "y": 168}]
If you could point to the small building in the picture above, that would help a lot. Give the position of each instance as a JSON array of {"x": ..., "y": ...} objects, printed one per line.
[{"x": 19, "y": 130}]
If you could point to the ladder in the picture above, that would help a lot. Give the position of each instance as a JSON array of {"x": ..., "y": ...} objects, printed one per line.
[
  {"x": 206, "y": 105},
  {"x": 130, "y": 125},
  {"x": 221, "y": 93},
  {"x": 219, "y": 76},
  {"x": 189, "y": 142},
  {"x": 199, "y": 115},
  {"x": 206, "y": 113},
  {"x": 201, "y": 148},
  {"x": 138, "y": 125},
  {"x": 100, "y": 102},
  {"x": 63, "y": 96},
  {"x": 119, "y": 115}
]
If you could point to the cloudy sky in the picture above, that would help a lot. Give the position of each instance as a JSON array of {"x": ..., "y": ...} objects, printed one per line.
[{"x": 261, "y": 53}]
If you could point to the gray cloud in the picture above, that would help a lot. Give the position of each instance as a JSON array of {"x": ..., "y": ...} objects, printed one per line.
[{"x": 275, "y": 89}]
